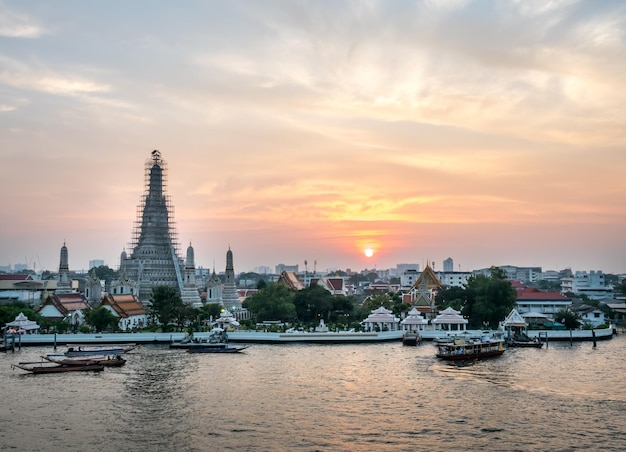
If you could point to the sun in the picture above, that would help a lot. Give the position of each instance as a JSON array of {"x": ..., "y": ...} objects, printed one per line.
[{"x": 368, "y": 252}]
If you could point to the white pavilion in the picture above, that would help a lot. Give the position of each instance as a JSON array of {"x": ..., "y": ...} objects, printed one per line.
[
  {"x": 21, "y": 324},
  {"x": 414, "y": 322},
  {"x": 381, "y": 319},
  {"x": 450, "y": 320},
  {"x": 227, "y": 319}
]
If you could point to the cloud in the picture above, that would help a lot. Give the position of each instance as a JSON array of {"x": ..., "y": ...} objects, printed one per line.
[{"x": 16, "y": 25}]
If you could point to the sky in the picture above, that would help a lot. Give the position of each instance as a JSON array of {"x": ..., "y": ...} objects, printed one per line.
[{"x": 491, "y": 132}]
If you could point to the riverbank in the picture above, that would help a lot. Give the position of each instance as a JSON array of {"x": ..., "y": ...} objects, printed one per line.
[{"x": 261, "y": 337}]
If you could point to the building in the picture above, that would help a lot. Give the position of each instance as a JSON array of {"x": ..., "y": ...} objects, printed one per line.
[
  {"x": 127, "y": 308},
  {"x": 453, "y": 279},
  {"x": 408, "y": 277},
  {"x": 590, "y": 284},
  {"x": 95, "y": 263},
  {"x": 69, "y": 306},
  {"x": 530, "y": 300},
  {"x": 286, "y": 268},
  {"x": 214, "y": 289},
  {"x": 154, "y": 259},
  {"x": 230, "y": 298},
  {"x": 189, "y": 292},
  {"x": 524, "y": 274},
  {"x": 448, "y": 265},
  {"x": 24, "y": 288},
  {"x": 64, "y": 284}
]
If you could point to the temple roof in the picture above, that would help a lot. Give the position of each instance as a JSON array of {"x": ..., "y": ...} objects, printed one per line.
[
  {"x": 125, "y": 305},
  {"x": 450, "y": 316},
  {"x": 290, "y": 280}
]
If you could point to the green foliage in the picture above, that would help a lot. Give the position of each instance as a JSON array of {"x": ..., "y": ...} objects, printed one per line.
[
  {"x": 105, "y": 273},
  {"x": 166, "y": 307},
  {"x": 488, "y": 299},
  {"x": 570, "y": 319},
  {"x": 374, "y": 302},
  {"x": 9, "y": 311},
  {"x": 274, "y": 302},
  {"x": 102, "y": 319},
  {"x": 211, "y": 310},
  {"x": 453, "y": 297},
  {"x": 313, "y": 303}
]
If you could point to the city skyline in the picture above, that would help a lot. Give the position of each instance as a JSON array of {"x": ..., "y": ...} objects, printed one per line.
[{"x": 489, "y": 132}]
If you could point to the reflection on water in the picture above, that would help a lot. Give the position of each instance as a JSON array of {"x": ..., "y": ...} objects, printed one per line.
[{"x": 323, "y": 397}]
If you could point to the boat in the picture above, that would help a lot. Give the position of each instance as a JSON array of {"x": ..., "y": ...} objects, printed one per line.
[
  {"x": 47, "y": 367},
  {"x": 522, "y": 340},
  {"x": 105, "y": 360},
  {"x": 461, "y": 349},
  {"x": 80, "y": 351},
  {"x": 187, "y": 342},
  {"x": 217, "y": 343},
  {"x": 214, "y": 348},
  {"x": 411, "y": 338}
]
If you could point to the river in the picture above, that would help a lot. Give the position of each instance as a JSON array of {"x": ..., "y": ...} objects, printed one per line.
[{"x": 299, "y": 397}]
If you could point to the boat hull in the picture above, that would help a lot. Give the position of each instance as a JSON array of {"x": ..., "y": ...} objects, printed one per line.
[
  {"x": 50, "y": 368},
  {"x": 214, "y": 349},
  {"x": 467, "y": 356}
]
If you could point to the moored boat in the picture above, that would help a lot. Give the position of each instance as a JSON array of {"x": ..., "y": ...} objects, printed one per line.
[
  {"x": 214, "y": 348},
  {"x": 461, "y": 349},
  {"x": 47, "y": 367},
  {"x": 80, "y": 351},
  {"x": 411, "y": 338},
  {"x": 106, "y": 361}
]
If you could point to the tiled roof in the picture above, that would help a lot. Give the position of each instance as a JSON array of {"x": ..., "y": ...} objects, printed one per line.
[
  {"x": 290, "y": 280},
  {"x": 14, "y": 277},
  {"x": 67, "y": 303},
  {"x": 534, "y": 294},
  {"x": 125, "y": 305}
]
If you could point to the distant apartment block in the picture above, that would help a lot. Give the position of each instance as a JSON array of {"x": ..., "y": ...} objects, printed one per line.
[
  {"x": 408, "y": 277},
  {"x": 262, "y": 270},
  {"x": 448, "y": 265},
  {"x": 286, "y": 268},
  {"x": 524, "y": 274},
  {"x": 95, "y": 263},
  {"x": 454, "y": 279},
  {"x": 590, "y": 284}
]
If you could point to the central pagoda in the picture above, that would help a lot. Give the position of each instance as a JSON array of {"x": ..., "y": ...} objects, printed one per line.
[{"x": 154, "y": 259}]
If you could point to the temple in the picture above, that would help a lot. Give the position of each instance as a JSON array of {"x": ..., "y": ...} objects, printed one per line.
[{"x": 154, "y": 259}]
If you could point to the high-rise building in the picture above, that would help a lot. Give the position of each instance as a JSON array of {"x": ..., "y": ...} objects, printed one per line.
[
  {"x": 154, "y": 259},
  {"x": 448, "y": 265}
]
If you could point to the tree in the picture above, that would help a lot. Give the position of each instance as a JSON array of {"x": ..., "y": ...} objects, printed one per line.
[
  {"x": 313, "y": 303},
  {"x": 567, "y": 318},
  {"x": 8, "y": 312},
  {"x": 105, "y": 273},
  {"x": 101, "y": 319},
  {"x": 376, "y": 301},
  {"x": 166, "y": 306},
  {"x": 274, "y": 302},
  {"x": 453, "y": 297},
  {"x": 488, "y": 299}
]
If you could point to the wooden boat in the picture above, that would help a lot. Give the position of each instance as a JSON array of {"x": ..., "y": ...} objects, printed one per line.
[
  {"x": 461, "y": 349},
  {"x": 411, "y": 338},
  {"x": 522, "y": 340},
  {"x": 214, "y": 348},
  {"x": 80, "y": 351},
  {"x": 47, "y": 367},
  {"x": 106, "y": 361}
]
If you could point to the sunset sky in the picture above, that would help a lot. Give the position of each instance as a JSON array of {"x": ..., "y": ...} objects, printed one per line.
[{"x": 492, "y": 132}]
